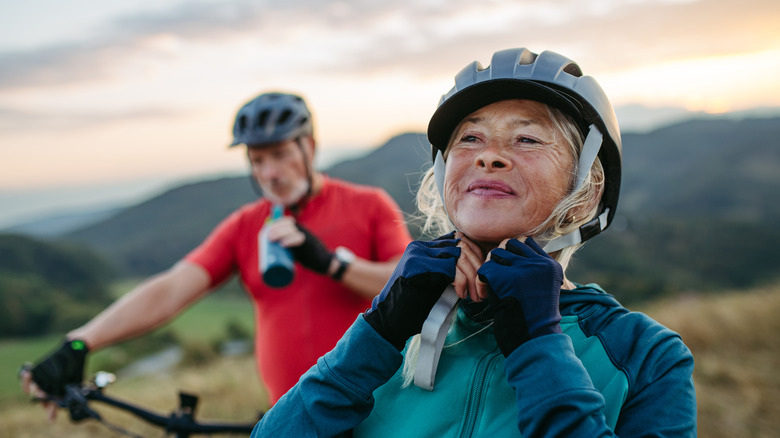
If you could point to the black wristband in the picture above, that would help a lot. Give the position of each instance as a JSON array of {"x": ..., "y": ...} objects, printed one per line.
[{"x": 312, "y": 253}]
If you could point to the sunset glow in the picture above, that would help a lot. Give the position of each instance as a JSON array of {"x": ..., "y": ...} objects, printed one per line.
[{"x": 123, "y": 91}]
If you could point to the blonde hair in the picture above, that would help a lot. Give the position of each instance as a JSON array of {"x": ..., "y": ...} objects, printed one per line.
[{"x": 577, "y": 208}]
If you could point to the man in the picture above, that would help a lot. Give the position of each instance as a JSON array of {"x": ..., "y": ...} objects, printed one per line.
[{"x": 345, "y": 239}]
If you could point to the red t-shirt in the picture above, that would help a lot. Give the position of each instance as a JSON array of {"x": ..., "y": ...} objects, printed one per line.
[{"x": 297, "y": 324}]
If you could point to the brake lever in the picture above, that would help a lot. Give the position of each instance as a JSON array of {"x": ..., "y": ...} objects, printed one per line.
[{"x": 76, "y": 402}]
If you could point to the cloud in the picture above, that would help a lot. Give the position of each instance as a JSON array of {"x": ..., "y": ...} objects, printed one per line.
[
  {"x": 609, "y": 35},
  {"x": 14, "y": 120},
  {"x": 422, "y": 38}
]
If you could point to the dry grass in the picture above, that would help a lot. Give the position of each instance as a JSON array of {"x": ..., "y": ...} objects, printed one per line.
[
  {"x": 734, "y": 340},
  {"x": 229, "y": 391}
]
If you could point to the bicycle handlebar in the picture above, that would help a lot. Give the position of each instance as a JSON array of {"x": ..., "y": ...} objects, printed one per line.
[{"x": 181, "y": 422}]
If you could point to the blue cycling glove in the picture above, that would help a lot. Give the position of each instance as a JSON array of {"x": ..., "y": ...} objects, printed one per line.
[
  {"x": 425, "y": 270},
  {"x": 524, "y": 287}
]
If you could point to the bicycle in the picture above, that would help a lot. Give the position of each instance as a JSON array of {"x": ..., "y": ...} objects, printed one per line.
[{"x": 180, "y": 422}]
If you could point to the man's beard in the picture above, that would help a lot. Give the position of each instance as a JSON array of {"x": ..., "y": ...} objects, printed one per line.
[{"x": 294, "y": 196}]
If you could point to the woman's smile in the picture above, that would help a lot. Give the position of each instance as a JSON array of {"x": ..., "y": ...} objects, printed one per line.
[{"x": 490, "y": 189}]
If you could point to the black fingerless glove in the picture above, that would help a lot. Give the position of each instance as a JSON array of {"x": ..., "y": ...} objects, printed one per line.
[
  {"x": 312, "y": 253},
  {"x": 64, "y": 366},
  {"x": 422, "y": 274}
]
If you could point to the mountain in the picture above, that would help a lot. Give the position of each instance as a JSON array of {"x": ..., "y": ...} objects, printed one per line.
[
  {"x": 397, "y": 166},
  {"x": 152, "y": 235},
  {"x": 696, "y": 209},
  {"x": 724, "y": 168},
  {"x": 59, "y": 224}
]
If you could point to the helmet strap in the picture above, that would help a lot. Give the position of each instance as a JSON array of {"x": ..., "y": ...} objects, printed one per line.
[
  {"x": 432, "y": 336},
  {"x": 579, "y": 235},
  {"x": 439, "y": 170},
  {"x": 255, "y": 186},
  {"x": 590, "y": 150},
  {"x": 294, "y": 209}
]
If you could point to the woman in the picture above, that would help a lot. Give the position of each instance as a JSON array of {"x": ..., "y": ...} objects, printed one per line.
[{"x": 527, "y": 167}]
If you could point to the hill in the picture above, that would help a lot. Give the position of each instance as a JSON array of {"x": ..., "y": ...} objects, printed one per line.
[
  {"x": 47, "y": 287},
  {"x": 59, "y": 224},
  {"x": 152, "y": 235},
  {"x": 695, "y": 211}
]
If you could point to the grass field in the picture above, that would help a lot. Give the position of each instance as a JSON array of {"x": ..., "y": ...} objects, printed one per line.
[
  {"x": 733, "y": 338},
  {"x": 203, "y": 324}
]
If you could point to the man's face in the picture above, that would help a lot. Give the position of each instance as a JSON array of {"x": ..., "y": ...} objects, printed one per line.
[{"x": 281, "y": 170}]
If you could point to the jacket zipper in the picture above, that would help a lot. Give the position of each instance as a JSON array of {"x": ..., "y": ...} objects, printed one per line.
[{"x": 476, "y": 397}]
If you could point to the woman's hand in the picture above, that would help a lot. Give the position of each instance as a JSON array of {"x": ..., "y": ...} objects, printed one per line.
[
  {"x": 524, "y": 287},
  {"x": 466, "y": 282},
  {"x": 425, "y": 270}
]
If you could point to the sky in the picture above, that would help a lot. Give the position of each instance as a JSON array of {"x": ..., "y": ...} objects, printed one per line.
[{"x": 109, "y": 102}]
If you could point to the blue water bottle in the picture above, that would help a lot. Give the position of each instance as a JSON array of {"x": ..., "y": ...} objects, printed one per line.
[{"x": 276, "y": 261}]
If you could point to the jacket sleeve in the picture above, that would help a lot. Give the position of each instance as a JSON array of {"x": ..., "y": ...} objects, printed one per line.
[
  {"x": 335, "y": 395},
  {"x": 555, "y": 395},
  {"x": 662, "y": 398}
]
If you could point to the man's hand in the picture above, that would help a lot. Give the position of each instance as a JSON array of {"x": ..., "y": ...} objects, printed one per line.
[
  {"x": 49, "y": 377},
  {"x": 306, "y": 248},
  {"x": 425, "y": 270},
  {"x": 524, "y": 287}
]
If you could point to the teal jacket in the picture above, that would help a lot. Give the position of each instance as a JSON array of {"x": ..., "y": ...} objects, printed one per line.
[{"x": 610, "y": 373}]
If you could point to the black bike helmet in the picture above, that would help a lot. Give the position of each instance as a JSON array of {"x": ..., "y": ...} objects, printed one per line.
[
  {"x": 271, "y": 118},
  {"x": 553, "y": 80}
]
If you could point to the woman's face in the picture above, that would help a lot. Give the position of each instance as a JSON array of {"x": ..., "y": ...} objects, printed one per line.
[{"x": 506, "y": 170}]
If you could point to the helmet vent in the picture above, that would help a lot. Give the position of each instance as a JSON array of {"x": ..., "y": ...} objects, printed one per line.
[
  {"x": 262, "y": 119},
  {"x": 527, "y": 57},
  {"x": 283, "y": 118},
  {"x": 573, "y": 69}
]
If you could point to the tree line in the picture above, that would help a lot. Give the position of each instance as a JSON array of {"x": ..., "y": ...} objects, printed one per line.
[{"x": 49, "y": 287}]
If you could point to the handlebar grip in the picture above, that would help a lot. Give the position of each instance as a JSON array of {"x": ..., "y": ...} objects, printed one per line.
[{"x": 76, "y": 402}]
